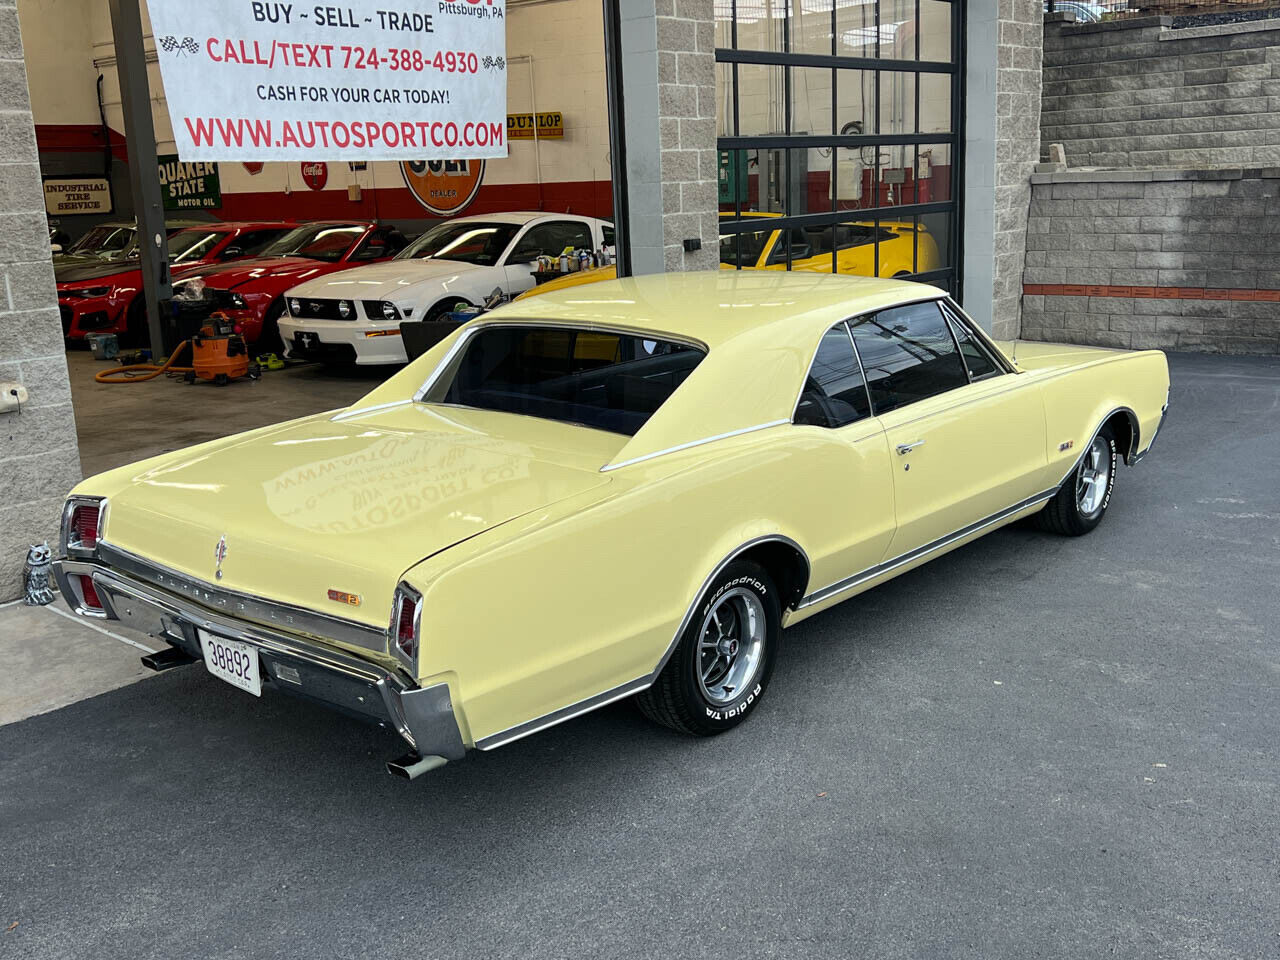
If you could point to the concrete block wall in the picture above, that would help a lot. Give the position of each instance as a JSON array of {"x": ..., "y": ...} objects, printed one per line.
[
  {"x": 669, "y": 123},
  {"x": 1137, "y": 93},
  {"x": 1002, "y": 104},
  {"x": 39, "y": 459},
  {"x": 1174, "y": 259}
]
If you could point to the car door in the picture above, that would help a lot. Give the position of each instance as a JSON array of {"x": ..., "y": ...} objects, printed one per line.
[
  {"x": 851, "y": 471},
  {"x": 546, "y": 238},
  {"x": 966, "y": 434}
]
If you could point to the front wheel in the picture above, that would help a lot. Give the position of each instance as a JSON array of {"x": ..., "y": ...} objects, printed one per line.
[
  {"x": 1083, "y": 498},
  {"x": 720, "y": 669}
]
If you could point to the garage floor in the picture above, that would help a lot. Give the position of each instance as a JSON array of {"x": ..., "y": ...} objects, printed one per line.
[
  {"x": 120, "y": 424},
  {"x": 1032, "y": 747}
]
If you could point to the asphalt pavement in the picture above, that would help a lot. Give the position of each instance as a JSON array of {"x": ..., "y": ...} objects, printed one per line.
[{"x": 1032, "y": 747}]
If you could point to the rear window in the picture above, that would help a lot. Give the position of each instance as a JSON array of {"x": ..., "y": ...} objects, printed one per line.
[{"x": 609, "y": 381}]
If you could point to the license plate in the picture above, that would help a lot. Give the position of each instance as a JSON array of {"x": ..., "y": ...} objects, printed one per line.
[{"x": 232, "y": 661}]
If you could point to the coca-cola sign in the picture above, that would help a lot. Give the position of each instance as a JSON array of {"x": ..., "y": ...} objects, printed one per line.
[{"x": 315, "y": 174}]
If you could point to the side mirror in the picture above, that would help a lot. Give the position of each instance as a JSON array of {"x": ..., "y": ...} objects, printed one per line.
[{"x": 232, "y": 252}]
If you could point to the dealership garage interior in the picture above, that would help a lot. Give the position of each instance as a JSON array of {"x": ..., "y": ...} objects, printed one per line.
[{"x": 1064, "y": 741}]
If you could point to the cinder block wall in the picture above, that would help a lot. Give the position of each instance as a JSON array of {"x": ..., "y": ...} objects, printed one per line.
[
  {"x": 1137, "y": 93},
  {"x": 39, "y": 460},
  {"x": 1175, "y": 259}
]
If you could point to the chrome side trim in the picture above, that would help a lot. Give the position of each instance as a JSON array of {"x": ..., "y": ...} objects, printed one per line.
[
  {"x": 880, "y": 569},
  {"x": 244, "y": 605},
  {"x": 350, "y": 413},
  {"x": 1137, "y": 457},
  {"x": 692, "y": 443},
  {"x": 537, "y": 724}
]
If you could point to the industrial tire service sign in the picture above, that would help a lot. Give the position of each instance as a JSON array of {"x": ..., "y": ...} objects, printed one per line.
[{"x": 253, "y": 80}]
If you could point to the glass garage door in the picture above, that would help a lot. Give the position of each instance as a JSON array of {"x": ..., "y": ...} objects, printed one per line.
[{"x": 838, "y": 130}]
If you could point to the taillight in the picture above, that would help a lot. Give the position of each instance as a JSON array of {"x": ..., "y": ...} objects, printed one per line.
[
  {"x": 90, "y": 594},
  {"x": 84, "y": 526},
  {"x": 406, "y": 638}
]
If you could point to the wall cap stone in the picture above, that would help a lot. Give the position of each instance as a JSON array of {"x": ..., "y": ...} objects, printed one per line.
[
  {"x": 1099, "y": 175},
  {"x": 1070, "y": 28},
  {"x": 1220, "y": 29}
]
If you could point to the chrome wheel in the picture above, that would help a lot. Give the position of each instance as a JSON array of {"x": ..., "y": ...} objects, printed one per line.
[
  {"x": 731, "y": 645},
  {"x": 1093, "y": 477}
]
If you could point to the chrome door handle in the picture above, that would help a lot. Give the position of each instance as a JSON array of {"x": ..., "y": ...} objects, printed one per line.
[{"x": 905, "y": 448}]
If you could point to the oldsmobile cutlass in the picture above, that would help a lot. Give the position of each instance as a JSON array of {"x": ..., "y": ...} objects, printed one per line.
[{"x": 626, "y": 490}]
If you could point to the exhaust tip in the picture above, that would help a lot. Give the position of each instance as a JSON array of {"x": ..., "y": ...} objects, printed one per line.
[
  {"x": 411, "y": 766},
  {"x": 166, "y": 658}
]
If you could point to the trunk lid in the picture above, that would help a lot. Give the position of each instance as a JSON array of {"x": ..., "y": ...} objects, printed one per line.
[{"x": 349, "y": 505}]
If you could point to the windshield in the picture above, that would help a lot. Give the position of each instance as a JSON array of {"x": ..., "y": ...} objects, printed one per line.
[
  {"x": 753, "y": 244},
  {"x": 316, "y": 241},
  {"x": 609, "y": 381},
  {"x": 188, "y": 246},
  {"x": 469, "y": 242},
  {"x": 103, "y": 239}
]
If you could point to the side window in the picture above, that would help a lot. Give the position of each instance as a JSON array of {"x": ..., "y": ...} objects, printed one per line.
[
  {"x": 979, "y": 362},
  {"x": 252, "y": 242},
  {"x": 376, "y": 246},
  {"x": 908, "y": 354},
  {"x": 834, "y": 393},
  {"x": 550, "y": 239},
  {"x": 607, "y": 236}
]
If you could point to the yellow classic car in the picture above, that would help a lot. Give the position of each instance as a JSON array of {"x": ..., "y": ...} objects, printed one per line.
[
  {"x": 904, "y": 248},
  {"x": 577, "y": 499}
]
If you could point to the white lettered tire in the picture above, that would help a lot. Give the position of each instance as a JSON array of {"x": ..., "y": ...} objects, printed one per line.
[{"x": 721, "y": 667}]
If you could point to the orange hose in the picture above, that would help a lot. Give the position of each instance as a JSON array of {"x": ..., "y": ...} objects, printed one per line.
[{"x": 124, "y": 374}]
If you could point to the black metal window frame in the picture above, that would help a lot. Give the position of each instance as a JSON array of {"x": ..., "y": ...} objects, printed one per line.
[{"x": 951, "y": 274}]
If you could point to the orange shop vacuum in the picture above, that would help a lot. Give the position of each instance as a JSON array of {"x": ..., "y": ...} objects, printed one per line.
[{"x": 218, "y": 354}]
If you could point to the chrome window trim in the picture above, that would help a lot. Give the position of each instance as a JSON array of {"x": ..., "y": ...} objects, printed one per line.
[
  {"x": 474, "y": 327},
  {"x": 952, "y": 320},
  {"x": 403, "y": 590},
  {"x": 692, "y": 443},
  {"x": 871, "y": 573},
  {"x": 521, "y": 730},
  {"x": 848, "y": 321},
  {"x": 809, "y": 372},
  {"x": 255, "y": 609},
  {"x": 979, "y": 334}
]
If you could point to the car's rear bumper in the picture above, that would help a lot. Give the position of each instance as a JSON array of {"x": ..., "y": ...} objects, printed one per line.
[{"x": 291, "y": 664}]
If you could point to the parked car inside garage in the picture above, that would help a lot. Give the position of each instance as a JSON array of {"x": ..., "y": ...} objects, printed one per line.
[
  {"x": 105, "y": 296},
  {"x": 251, "y": 292},
  {"x": 354, "y": 317}
]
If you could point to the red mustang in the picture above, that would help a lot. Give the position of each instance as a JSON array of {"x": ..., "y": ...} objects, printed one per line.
[
  {"x": 106, "y": 296},
  {"x": 252, "y": 292}
]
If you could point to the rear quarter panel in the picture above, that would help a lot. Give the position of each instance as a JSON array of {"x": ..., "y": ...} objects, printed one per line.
[{"x": 554, "y": 608}]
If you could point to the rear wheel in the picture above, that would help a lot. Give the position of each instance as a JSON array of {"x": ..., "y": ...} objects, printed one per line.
[
  {"x": 1082, "y": 500},
  {"x": 720, "y": 669}
]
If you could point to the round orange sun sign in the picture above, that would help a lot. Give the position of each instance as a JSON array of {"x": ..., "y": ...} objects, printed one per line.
[{"x": 444, "y": 187}]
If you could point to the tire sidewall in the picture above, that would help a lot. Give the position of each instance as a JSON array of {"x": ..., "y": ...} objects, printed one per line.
[
  {"x": 1090, "y": 521},
  {"x": 714, "y": 718}
]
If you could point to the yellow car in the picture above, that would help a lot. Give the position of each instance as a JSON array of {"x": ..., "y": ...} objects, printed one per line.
[
  {"x": 588, "y": 499},
  {"x": 765, "y": 249}
]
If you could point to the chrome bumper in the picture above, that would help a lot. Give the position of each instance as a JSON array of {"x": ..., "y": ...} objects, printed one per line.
[{"x": 423, "y": 716}]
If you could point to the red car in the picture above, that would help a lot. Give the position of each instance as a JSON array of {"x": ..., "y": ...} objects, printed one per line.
[
  {"x": 252, "y": 292},
  {"x": 106, "y": 297}
]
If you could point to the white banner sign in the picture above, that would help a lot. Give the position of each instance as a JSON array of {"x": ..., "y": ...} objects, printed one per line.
[{"x": 250, "y": 80}]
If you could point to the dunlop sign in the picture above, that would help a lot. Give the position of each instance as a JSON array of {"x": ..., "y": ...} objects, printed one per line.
[{"x": 550, "y": 126}]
